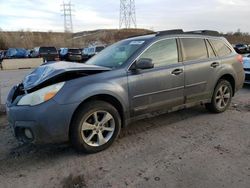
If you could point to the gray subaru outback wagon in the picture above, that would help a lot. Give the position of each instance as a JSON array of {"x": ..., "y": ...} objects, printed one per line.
[{"x": 88, "y": 104}]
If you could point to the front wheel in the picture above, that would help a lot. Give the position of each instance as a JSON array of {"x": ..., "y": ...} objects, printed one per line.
[
  {"x": 95, "y": 127},
  {"x": 222, "y": 97}
]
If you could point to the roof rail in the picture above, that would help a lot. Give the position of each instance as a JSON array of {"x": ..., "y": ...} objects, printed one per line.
[
  {"x": 204, "y": 32},
  {"x": 139, "y": 35},
  {"x": 180, "y": 31},
  {"x": 170, "y": 32}
]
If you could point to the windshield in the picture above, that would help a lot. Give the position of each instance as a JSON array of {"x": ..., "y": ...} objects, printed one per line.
[{"x": 116, "y": 54}]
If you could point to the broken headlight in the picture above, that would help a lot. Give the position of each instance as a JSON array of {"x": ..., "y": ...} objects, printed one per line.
[{"x": 41, "y": 95}]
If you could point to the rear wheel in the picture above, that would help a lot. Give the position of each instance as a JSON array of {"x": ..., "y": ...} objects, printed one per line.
[
  {"x": 95, "y": 127},
  {"x": 222, "y": 97}
]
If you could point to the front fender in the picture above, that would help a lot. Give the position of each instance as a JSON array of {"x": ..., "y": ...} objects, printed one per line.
[{"x": 77, "y": 93}]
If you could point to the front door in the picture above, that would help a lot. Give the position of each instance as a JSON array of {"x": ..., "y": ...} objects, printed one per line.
[{"x": 161, "y": 87}]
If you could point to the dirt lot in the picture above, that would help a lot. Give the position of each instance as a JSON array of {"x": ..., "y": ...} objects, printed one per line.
[
  {"x": 8, "y": 79},
  {"x": 190, "y": 148}
]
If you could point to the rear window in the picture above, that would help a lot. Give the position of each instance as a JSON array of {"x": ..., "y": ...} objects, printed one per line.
[
  {"x": 221, "y": 48},
  {"x": 47, "y": 50},
  {"x": 98, "y": 49},
  {"x": 75, "y": 51},
  {"x": 194, "y": 49}
]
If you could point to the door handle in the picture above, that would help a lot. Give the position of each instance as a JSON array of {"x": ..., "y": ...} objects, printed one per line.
[
  {"x": 215, "y": 64},
  {"x": 177, "y": 71}
]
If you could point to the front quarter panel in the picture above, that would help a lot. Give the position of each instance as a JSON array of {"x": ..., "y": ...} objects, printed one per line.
[{"x": 112, "y": 83}]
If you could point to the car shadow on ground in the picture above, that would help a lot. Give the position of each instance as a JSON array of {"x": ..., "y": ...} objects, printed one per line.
[{"x": 54, "y": 151}]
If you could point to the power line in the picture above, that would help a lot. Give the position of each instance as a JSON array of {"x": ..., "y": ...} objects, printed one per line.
[
  {"x": 67, "y": 14},
  {"x": 127, "y": 14}
]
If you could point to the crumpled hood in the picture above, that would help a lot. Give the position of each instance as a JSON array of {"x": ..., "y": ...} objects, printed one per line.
[{"x": 49, "y": 71}]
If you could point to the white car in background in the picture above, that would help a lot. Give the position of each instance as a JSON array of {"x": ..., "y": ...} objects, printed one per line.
[{"x": 246, "y": 64}]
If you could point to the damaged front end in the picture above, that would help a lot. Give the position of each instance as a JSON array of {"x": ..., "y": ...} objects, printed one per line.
[
  {"x": 31, "y": 113},
  {"x": 45, "y": 81}
]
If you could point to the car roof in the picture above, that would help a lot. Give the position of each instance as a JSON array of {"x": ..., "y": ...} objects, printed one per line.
[{"x": 178, "y": 33}]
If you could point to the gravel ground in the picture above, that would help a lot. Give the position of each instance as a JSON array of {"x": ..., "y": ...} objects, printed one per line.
[
  {"x": 8, "y": 79},
  {"x": 189, "y": 148}
]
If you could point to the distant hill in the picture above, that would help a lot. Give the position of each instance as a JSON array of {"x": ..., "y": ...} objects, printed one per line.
[
  {"x": 23, "y": 39},
  {"x": 26, "y": 39}
]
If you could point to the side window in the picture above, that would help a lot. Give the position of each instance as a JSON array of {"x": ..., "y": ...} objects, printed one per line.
[
  {"x": 221, "y": 48},
  {"x": 162, "y": 53},
  {"x": 194, "y": 49},
  {"x": 210, "y": 50}
]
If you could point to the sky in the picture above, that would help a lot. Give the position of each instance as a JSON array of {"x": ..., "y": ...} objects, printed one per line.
[{"x": 46, "y": 15}]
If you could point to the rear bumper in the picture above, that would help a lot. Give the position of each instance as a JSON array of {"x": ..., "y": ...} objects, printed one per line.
[{"x": 48, "y": 122}]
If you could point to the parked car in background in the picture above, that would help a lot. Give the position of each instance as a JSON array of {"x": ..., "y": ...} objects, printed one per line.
[
  {"x": 85, "y": 55},
  {"x": 28, "y": 53},
  {"x": 59, "y": 51},
  {"x": 246, "y": 64},
  {"x": 71, "y": 54},
  {"x": 1, "y": 55},
  {"x": 89, "y": 103},
  {"x": 242, "y": 48},
  {"x": 48, "y": 53},
  {"x": 15, "y": 53},
  {"x": 93, "y": 50}
]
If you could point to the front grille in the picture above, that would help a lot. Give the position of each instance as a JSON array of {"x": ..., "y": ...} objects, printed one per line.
[{"x": 247, "y": 69}]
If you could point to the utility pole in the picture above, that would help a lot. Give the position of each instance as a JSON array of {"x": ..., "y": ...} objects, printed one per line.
[
  {"x": 127, "y": 14},
  {"x": 67, "y": 14}
]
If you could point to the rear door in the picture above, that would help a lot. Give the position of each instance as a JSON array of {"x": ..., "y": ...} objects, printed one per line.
[
  {"x": 201, "y": 67},
  {"x": 161, "y": 87}
]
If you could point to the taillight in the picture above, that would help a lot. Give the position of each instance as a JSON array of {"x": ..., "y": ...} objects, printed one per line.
[{"x": 240, "y": 58}]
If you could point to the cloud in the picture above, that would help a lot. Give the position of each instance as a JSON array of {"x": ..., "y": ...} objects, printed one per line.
[{"x": 222, "y": 15}]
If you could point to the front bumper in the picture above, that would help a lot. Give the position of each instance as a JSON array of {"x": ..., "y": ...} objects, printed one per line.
[{"x": 48, "y": 122}]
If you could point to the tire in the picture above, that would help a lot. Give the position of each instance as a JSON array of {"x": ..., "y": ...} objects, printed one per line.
[
  {"x": 222, "y": 97},
  {"x": 95, "y": 127}
]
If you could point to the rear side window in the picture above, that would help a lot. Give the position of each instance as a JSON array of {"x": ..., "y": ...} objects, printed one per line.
[
  {"x": 162, "y": 53},
  {"x": 210, "y": 50},
  {"x": 221, "y": 48},
  {"x": 194, "y": 49}
]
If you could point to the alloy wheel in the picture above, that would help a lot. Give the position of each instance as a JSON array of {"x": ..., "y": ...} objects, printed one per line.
[
  {"x": 223, "y": 96},
  {"x": 98, "y": 128}
]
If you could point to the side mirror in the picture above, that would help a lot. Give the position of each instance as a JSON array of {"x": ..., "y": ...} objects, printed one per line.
[{"x": 144, "y": 63}]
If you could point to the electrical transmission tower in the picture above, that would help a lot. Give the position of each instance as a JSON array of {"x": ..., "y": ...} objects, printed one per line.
[
  {"x": 67, "y": 14},
  {"x": 127, "y": 14}
]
